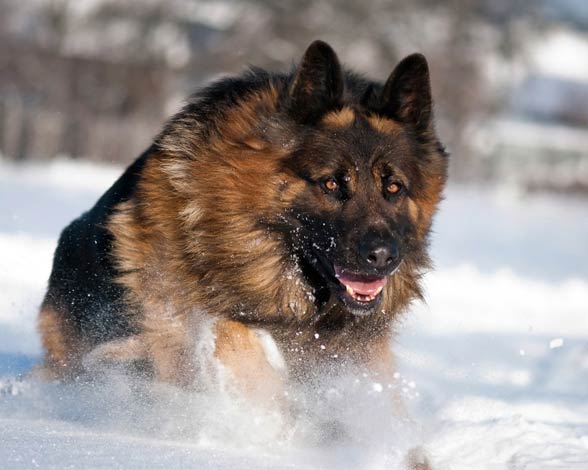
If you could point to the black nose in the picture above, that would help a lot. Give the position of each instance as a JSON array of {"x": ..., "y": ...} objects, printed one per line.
[{"x": 379, "y": 252}]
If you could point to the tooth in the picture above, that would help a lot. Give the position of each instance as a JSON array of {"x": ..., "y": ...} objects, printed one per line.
[
  {"x": 350, "y": 291},
  {"x": 378, "y": 290}
]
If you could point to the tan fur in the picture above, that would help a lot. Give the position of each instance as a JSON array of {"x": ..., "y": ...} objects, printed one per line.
[
  {"x": 151, "y": 249},
  {"x": 239, "y": 350},
  {"x": 175, "y": 186},
  {"x": 416, "y": 459},
  {"x": 413, "y": 210},
  {"x": 141, "y": 256},
  {"x": 383, "y": 125},
  {"x": 342, "y": 118},
  {"x": 64, "y": 348}
]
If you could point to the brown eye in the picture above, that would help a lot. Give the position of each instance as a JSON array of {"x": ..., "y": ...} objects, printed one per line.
[
  {"x": 393, "y": 187},
  {"x": 331, "y": 184}
]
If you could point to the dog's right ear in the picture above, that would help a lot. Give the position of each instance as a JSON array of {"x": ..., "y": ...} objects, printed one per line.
[{"x": 318, "y": 84}]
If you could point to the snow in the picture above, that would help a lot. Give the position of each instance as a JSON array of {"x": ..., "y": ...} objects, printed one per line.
[
  {"x": 494, "y": 367},
  {"x": 556, "y": 54}
]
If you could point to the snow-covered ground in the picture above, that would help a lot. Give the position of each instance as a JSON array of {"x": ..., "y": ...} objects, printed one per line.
[{"x": 494, "y": 368}]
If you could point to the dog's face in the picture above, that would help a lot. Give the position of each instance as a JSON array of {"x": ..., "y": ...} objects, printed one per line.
[
  {"x": 369, "y": 175},
  {"x": 355, "y": 226},
  {"x": 313, "y": 191}
]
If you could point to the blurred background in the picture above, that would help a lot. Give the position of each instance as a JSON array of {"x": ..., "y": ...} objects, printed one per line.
[
  {"x": 494, "y": 364},
  {"x": 95, "y": 79}
]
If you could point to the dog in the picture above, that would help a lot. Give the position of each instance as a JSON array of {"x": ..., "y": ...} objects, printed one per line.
[{"x": 290, "y": 206}]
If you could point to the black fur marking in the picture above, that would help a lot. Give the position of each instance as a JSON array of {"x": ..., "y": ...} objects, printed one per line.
[
  {"x": 407, "y": 93},
  {"x": 318, "y": 85},
  {"x": 81, "y": 282}
]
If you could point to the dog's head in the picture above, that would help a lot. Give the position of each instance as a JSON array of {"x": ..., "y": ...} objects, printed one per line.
[
  {"x": 365, "y": 178},
  {"x": 298, "y": 190}
]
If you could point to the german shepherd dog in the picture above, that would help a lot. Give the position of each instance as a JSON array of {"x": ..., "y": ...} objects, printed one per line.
[{"x": 291, "y": 205}]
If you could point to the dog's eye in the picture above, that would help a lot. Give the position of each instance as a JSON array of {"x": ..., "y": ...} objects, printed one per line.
[
  {"x": 393, "y": 187},
  {"x": 330, "y": 183}
]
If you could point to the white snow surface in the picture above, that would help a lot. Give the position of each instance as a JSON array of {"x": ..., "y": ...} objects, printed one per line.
[{"x": 493, "y": 368}]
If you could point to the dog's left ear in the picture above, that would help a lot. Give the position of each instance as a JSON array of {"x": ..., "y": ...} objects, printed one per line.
[
  {"x": 406, "y": 96},
  {"x": 318, "y": 84}
]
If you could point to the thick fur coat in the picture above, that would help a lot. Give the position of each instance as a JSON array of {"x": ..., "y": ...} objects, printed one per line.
[{"x": 297, "y": 203}]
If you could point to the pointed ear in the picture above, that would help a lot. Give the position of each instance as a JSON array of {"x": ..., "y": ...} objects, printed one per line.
[
  {"x": 407, "y": 93},
  {"x": 318, "y": 83}
]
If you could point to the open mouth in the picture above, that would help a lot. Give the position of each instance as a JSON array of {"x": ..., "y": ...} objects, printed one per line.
[
  {"x": 362, "y": 288},
  {"x": 359, "y": 292}
]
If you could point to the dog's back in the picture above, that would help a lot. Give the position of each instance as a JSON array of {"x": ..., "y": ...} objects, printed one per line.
[{"x": 83, "y": 306}]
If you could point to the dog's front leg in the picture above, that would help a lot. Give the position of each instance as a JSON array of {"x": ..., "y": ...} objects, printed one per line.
[
  {"x": 241, "y": 352},
  {"x": 381, "y": 366}
]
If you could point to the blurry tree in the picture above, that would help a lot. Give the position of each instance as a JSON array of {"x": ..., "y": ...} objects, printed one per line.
[
  {"x": 459, "y": 37},
  {"x": 101, "y": 70}
]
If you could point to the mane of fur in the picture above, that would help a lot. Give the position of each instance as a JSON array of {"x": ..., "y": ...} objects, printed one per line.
[{"x": 194, "y": 239}]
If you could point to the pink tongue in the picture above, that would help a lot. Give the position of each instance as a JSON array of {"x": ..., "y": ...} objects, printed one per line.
[{"x": 363, "y": 285}]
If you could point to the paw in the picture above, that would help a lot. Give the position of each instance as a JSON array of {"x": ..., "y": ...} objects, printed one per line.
[{"x": 416, "y": 459}]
